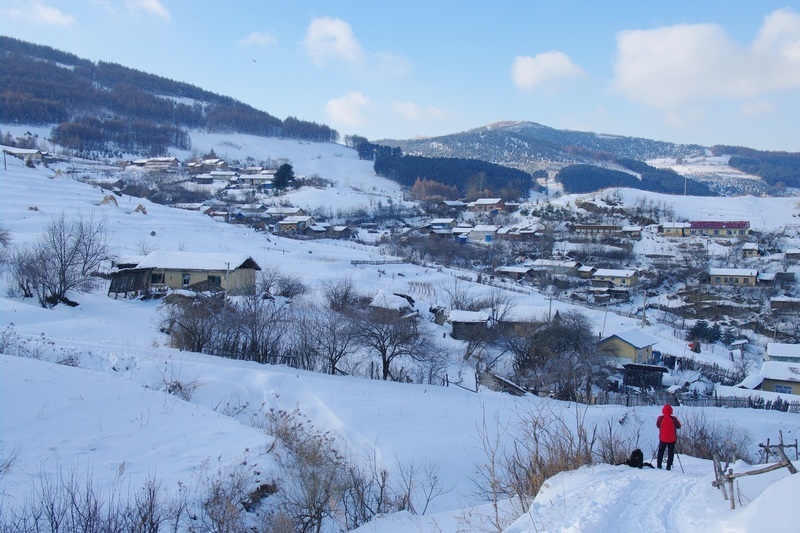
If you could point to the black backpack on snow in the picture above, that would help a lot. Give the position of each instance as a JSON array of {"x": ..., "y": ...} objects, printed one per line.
[{"x": 636, "y": 460}]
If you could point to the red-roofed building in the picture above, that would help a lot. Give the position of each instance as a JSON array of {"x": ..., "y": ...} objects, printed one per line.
[{"x": 712, "y": 228}]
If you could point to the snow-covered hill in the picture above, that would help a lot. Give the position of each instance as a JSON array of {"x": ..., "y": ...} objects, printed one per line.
[{"x": 107, "y": 414}]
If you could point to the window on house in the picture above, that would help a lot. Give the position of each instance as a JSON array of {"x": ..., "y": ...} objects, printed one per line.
[
  {"x": 185, "y": 278},
  {"x": 783, "y": 389},
  {"x": 157, "y": 278},
  {"x": 216, "y": 280}
]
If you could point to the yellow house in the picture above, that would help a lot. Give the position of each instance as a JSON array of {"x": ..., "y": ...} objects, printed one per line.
[
  {"x": 707, "y": 228},
  {"x": 235, "y": 273},
  {"x": 783, "y": 378},
  {"x": 674, "y": 229},
  {"x": 633, "y": 344},
  {"x": 486, "y": 205},
  {"x": 615, "y": 277},
  {"x": 296, "y": 223},
  {"x": 738, "y": 277}
]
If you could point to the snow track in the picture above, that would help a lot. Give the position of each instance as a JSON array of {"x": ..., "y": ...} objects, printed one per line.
[{"x": 618, "y": 498}]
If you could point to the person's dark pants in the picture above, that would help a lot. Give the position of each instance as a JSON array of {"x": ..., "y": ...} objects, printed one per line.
[{"x": 670, "y": 447}]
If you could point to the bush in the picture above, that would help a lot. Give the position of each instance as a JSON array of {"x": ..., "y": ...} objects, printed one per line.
[{"x": 704, "y": 437}]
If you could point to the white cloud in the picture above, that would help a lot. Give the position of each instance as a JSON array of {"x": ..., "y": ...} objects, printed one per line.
[
  {"x": 760, "y": 107},
  {"x": 349, "y": 109},
  {"x": 150, "y": 7},
  {"x": 542, "y": 69},
  {"x": 390, "y": 64},
  {"x": 257, "y": 38},
  {"x": 332, "y": 38},
  {"x": 676, "y": 65},
  {"x": 412, "y": 111},
  {"x": 39, "y": 13}
]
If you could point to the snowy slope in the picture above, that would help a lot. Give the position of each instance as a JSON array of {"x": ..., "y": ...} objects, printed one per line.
[{"x": 112, "y": 409}]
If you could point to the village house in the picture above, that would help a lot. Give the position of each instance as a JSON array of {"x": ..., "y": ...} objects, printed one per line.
[
  {"x": 513, "y": 272},
  {"x": 783, "y": 352},
  {"x": 261, "y": 180},
  {"x": 631, "y": 232},
  {"x": 483, "y": 232},
  {"x": 675, "y": 229},
  {"x": 633, "y": 344},
  {"x": 738, "y": 277},
  {"x": 486, "y": 205},
  {"x": 556, "y": 266},
  {"x": 517, "y": 234},
  {"x": 295, "y": 223},
  {"x": 780, "y": 377},
  {"x": 792, "y": 255},
  {"x": 162, "y": 163},
  {"x": 206, "y": 165},
  {"x": 279, "y": 212},
  {"x": 442, "y": 223},
  {"x": 607, "y": 277},
  {"x": 737, "y": 228},
  {"x": 595, "y": 230},
  {"x": 784, "y": 304},
  {"x": 388, "y": 301},
  {"x": 468, "y": 325},
  {"x": 450, "y": 206},
  {"x": 231, "y": 272},
  {"x": 750, "y": 250}
]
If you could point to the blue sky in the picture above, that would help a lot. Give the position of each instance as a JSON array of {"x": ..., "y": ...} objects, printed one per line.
[{"x": 708, "y": 72}]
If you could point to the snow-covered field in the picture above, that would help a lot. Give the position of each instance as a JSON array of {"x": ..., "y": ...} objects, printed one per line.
[{"x": 110, "y": 417}]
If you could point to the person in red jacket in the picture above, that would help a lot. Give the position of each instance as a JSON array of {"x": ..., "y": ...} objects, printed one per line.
[{"x": 667, "y": 424}]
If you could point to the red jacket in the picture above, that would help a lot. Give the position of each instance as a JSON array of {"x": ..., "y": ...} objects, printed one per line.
[{"x": 667, "y": 424}]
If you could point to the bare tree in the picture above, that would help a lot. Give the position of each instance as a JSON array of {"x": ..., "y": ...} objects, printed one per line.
[
  {"x": 341, "y": 294},
  {"x": 334, "y": 336},
  {"x": 460, "y": 295},
  {"x": 64, "y": 259},
  {"x": 391, "y": 336},
  {"x": 559, "y": 353}
]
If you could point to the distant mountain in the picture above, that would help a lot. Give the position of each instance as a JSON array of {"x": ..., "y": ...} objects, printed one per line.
[
  {"x": 105, "y": 107},
  {"x": 530, "y": 146}
]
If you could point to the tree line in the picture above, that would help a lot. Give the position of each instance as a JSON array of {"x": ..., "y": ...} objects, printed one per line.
[
  {"x": 591, "y": 178},
  {"x": 778, "y": 169},
  {"x": 470, "y": 177}
]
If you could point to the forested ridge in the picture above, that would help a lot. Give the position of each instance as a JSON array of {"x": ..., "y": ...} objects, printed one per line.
[
  {"x": 590, "y": 178},
  {"x": 778, "y": 169},
  {"x": 471, "y": 178},
  {"x": 41, "y": 85}
]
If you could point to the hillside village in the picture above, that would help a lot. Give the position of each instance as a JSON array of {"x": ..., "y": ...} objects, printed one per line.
[
  {"x": 674, "y": 300},
  {"x": 638, "y": 260}
]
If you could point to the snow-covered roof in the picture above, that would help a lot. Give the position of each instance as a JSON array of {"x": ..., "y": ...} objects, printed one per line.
[
  {"x": 675, "y": 225},
  {"x": 129, "y": 259},
  {"x": 750, "y": 246},
  {"x": 781, "y": 371},
  {"x": 487, "y": 201},
  {"x": 614, "y": 273},
  {"x": 437, "y": 221},
  {"x": 197, "y": 261},
  {"x": 635, "y": 337},
  {"x": 555, "y": 263},
  {"x": 733, "y": 272},
  {"x": 782, "y": 349},
  {"x": 295, "y": 219},
  {"x": 468, "y": 316},
  {"x": 486, "y": 227},
  {"x": 387, "y": 300},
  {"x": 513, "y": 269}
]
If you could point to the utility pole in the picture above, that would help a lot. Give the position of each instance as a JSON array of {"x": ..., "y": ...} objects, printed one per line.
[{"x": 227, "y": 274}]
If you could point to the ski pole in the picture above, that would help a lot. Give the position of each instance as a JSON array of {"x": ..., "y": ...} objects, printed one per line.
[{"x": 679, "y": 462}]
